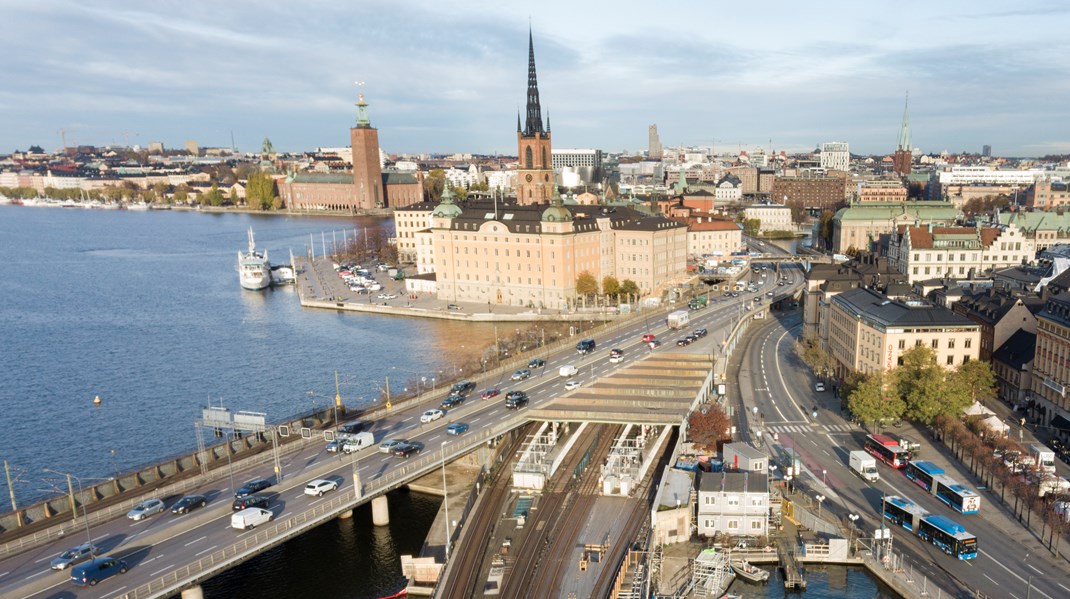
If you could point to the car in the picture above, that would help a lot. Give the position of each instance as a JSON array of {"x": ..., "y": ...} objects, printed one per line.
[
  {"x": 616, "y": 356},
  {"x": 819, "y": 386},
  {"x": 457, "y": 428},
  {"x": 691, "y": 338},
  {"x": 585, "y": 346},
  {"x": 241, "y": 503},
  {"x": 145, "y": 509},
  {"x": 781, "y": 284},
  {"x": 389, "y": 445},
  {"x": 769, "y": 293},
  {"x": 452, "y": 402},
  {"x": 648, "y": 338},
  {"x": 654, "y": 344},
  {"x": 452, "y": 307},
  {"x": 74, "y": 556},
  {"x": 537, "y": 363},
  {"x": 320, "y": 486},
  {"x": 407, "y": 449},
  {"x": 572, "y": 384},
  {"x": 431, "y": 415},
  {"x": 188, "y": 504},
  {"x": 521, "y": 374},
  {"x": 96, "y": 570},
  {"x": 517, "y": 401},
  {"x": 463, "y": 388},
  {"x": 490, "y": 393},
  {"x": 383, "y": 267},
  {"x": 353, "y": 428},
  {"x": 699, "y": 332},
  {"x": 683, "y": 342},
  {"x": 515, "y": 395},
  {"x": 253, "y": 486},
  {"x": 335, "y": 444}
]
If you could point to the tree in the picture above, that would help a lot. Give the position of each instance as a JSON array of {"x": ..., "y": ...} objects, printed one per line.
[
  {"x": 434, "y": 183},
  {"x": 708, "y": 427},
  {"x": 976, "y": 381},
  {"x": 260, "y": 191},
  {"x": 629, "y": 288},
  {"x": 586, "y": 284},
  {"x": 751, "y": 226},
  {"x": 870, "y": 403},
  {"x": 819, "y": 360},
  {"x": 824, "y": 227},
  {"x": 213, "y": 197},
  {"x": 923, "y": 385},
  {"x": 181, "y": 195},
  {"x": 611, "y": 286},
  {"x": 460, "y": 192}
]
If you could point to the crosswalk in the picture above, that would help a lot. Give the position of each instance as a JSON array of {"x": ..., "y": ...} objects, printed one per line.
[{"x": 805, "y": 427}]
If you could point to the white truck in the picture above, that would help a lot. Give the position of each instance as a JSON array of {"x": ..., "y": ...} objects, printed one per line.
[
  {"x": 567, "y": 370},
  {"x": 678, "y": 319},
  {"x": 1042, "y": 457},
  {"x": 250, "y": 518},
  {"x": 357, "y": 442},
  {"x": 864, "y": 465}
]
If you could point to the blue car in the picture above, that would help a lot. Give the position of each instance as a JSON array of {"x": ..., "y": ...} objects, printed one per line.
[
  {"x": 96, "y": 570},
  {"x": 457, "y": 428}
]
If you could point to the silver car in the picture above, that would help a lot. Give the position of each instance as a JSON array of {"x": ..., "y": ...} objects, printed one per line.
[
  {"x": 74, "y": 556},
  {"x": 145, "y": 509}
]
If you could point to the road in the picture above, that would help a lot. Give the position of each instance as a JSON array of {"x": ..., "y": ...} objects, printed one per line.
[
  {"x": 1010, "y": 563},
  {"x": 161, "y": 543}
]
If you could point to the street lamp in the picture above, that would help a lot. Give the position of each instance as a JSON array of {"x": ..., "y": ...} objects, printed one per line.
[
  {"x": 446, "y": 500},
  {"x": 853, "y": 518},
  {"x": 823, "y": 472},
  {"x": 74, "y": 505},
  {"x": 819, "y": 499}
]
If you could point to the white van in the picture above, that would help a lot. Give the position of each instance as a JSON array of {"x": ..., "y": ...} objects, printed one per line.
[
  {"x": 250, "y": 518},
  {"x": 567, "y": 370},
  {"x": 358, "y": 442}
]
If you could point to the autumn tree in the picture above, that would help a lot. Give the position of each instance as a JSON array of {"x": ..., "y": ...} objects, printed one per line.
[
  {"x": 434, "y": 183},
  {"x": 586, "y": 284},
  {"x": 611, "y": 286},
  {"x": 709, "y": 428},
  {"x": 260, "y": 191},
  {"x": 629, "y": 288},
  {"x": 751, "y": 226},
  {"x": 975, "y": 381}
]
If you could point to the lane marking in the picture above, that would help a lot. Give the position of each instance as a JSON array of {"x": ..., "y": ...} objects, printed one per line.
[
  {"x": 113, "y": 592},
  {"x": 205, "y": 550},
  {"x": 992, "y": 579},
  {"x": 38, "y": 574},
  {"x": 1009, "y": 571},
  {"x": 171, "y": 567},
  {"x": 1035, "y": 569},
  {"x": 198, "y": 540}
]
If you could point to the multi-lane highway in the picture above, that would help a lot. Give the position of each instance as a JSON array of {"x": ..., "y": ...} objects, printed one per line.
[
  {"x": 1010, "y": 563},
  {"x": 162, "y": 543}
]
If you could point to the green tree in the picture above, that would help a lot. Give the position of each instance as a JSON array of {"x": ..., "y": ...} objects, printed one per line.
[
  {"x": 181, "y": 194},
  {"x": 260, "y": 191},
  {"x": 751, "y": 226},
  {"x": 434, "y": 183},
  {"x": 629, "y": 287},
  {"x": 976, "y": 381},
  {"x": 926, "y": 387},
  {"x": 824, "y": 227},
  {"x": 611, "y": 286},
  {"x": 460, "y": 192},
  {"x": 870, "y": 403},
  {"x": 586, "y": 284},
  {"x": 213, "y": 197},
  {"x": 233, "y": 196}
]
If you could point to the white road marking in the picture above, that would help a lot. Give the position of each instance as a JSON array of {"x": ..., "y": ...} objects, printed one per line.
[
  {"x": 1060, "y": 584},
  {"x": 1009, "y": 571},
  {"x": 171, "y": 567},
  {"x": 205, "y": 550},
  {"x": 475, "y": 420},
  {"x": 1035, "y": 569},
  {"x": 433, "y": 438},
  {"x": 113, "y": 592},
  {"x": 38, "y": 574},
  {"x": 47, "y": 557},
  {"x": 5, "y": 573},
  {"x": 197, "y": 540}
]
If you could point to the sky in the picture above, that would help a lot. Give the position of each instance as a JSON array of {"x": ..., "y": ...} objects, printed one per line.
[{"x": 445, "y": 76}]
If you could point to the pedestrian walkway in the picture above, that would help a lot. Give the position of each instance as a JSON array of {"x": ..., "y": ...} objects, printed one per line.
[{"x": 806, "y": 427}]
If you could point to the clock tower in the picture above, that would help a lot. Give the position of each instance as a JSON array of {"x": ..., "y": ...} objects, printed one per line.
[{"x": 535, "y": 173}]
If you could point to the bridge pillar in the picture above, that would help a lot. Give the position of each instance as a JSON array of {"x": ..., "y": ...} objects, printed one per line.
[
  {"x": 380, "y": 511},
  {"x": 346, "y": 515},
  {"x": 193, "y": 593}
]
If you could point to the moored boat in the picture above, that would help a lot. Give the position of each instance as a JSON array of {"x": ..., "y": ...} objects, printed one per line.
[
  {"x": 254, "y": 271},
  {"x": 748, "y": 571}
]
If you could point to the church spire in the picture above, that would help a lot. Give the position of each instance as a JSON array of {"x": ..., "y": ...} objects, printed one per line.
[
  {"x": 534, "y": 120},
  {"x": 904, "y": 131},
  {"x": 518, "y": 129}
]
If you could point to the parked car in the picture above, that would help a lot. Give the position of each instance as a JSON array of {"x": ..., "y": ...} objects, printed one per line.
[
  {"x": 97, "y": 570},
  {"x": 452, "y": 307},
  {"x": 389, "y": 445},
  {"x": 521, "y": 374},
  {"x": 252, "y": 486},
  {"x": 74, "y": 556},
  {"x": 457, "y": 428},
  {"x": 537, "y": 363},
  {"x": 491, "y": 393},
  {"x": 188, "y": 504},
  {"x": 145, "y": 509},
  {"x": 571, "y": 384},
  {"x": 452, "y": 402},
  {"x": 407, "y": 449},
  {"x": 249, "y": 501},
  {"x": 431, "y": 415},
  {"x": 320, "y": 486}
]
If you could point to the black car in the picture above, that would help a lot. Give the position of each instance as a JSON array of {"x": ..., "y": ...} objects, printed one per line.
[
  {"x": 189, "y": 503},
  {"x": 683, "y": 342},
  {"x": 537, "y": 363},
  {"x": 699, "y": 332},
  {"x": 515, "y": 395},
  {"x": 252, "y": 487},
  {"x": 585, "y": 346},
  {"x": 452, "y": 401},
  {"x": 353, "y": 428},
  {"x": 515, "y": 400},
  {"x": 462, "y": 388},
  {"x": 407, "y": 449},
  {"x": 250, "y": 501}
]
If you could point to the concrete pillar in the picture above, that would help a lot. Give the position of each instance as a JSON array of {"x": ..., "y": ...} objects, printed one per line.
[
  {"x": 380, "y": 511},
  {"x": 346, "y": 515},
  {"x": 193, "y": 593}
]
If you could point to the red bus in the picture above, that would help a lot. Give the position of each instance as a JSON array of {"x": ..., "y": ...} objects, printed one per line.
[{"x": 887, "y": 450}]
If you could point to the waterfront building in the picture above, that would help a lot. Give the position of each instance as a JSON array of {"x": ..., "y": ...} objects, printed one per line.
[
  {"x": 771, "y": 217},
  {"x": 881, "y": 190},
  {"x": 733, "y": 503},
  {"x": 713, "y": 236},
  {"x": 535, "y": 173},
  {"x": 860, "y": 226},
  {"x": 925, "y": 252},
  {"x": 811, "y": 190},
  {"x": 868, "y": 332},
  {"x": 835, "y": 156},
  {"x": 728, "y": 189}
]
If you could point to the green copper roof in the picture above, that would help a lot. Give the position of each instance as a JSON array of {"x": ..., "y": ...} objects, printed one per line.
[
  {"x": 446, "y": 207},
  {"x": 925, "y": 211},
  {"x": 1034, "y": 221},
  {"x": 556, "y": 212}
]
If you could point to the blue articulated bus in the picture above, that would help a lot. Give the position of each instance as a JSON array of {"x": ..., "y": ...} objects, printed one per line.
[
  {"x": 949, "y": 536},
  {"x": 958, "y": 497},
  {"x": 923, "y": 474}
]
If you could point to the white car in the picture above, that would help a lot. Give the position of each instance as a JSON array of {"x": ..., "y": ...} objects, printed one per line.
[
  {"x": 319, "y": 486},
  {"x": 819, "y": 386},
  {"x": 431, "y": 415},
  {"x": 572, "y": 384}
]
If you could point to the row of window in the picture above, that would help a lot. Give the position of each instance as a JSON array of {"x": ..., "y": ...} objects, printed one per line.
[{"x": 710, "y": 524}]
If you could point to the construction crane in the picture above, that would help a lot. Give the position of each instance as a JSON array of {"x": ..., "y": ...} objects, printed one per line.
[
  {"x": 126, "y": 138},
  {"x": 63, "y": 138}
]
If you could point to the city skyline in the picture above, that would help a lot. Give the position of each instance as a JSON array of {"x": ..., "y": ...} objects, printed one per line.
[{"x": 449, "y": 77}]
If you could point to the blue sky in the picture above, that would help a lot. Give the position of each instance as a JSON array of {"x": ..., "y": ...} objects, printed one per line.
[{"x": 449, "y": 76}]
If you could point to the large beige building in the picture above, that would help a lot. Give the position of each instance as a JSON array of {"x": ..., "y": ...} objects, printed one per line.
[
  {"x": 712, "y": 236},
  {"x": 1051, "y": 365},
  {"x": 867, "y": 332},
  {"x": 532, "y": 255},
  {"x": 773, "y": 217},
  {"x": 927, "y": 252},
  {"x": 860, "y": 226}
]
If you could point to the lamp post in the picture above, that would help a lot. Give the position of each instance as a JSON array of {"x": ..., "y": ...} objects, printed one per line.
[
  {"x": 74, "y": 505},
  {"x": 853, "y": 518},
  {"x": 823, "y": 472},
  {"x": 819, "y": 498},
  {"x": 446, "y": 500}
]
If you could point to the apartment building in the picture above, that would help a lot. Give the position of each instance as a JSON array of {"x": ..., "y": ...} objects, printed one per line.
[
  {"x": 773, "y": 217},
  {"x": 881, "y": 190},
  {"x": 926, "y": 252},
  {"x": 1012, "y": 364},
  {"x": 1051, "y": 366},
  {"x": 1000, "y": 314},
  {"x": 835, "y": 155},
  {"x": 867, "y": 332},
  {"x": 713, "y": 236},
  {"x": 1046, "y": 194}
]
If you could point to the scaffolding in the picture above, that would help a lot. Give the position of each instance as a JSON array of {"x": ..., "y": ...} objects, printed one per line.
[
  {"x": 533, "y": 467},
  {"x": 711, "y": 573},
  {"x": 623, "y": 465}
]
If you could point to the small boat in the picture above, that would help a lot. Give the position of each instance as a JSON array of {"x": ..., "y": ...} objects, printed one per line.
[
  {"x": 748, "y": 571},
  {"x": 397, "y": 595}
]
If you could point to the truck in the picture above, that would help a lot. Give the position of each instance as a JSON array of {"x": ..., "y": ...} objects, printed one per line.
[
  {"x": 864, "y": 465},
  {"x": 358, "y": 441},
  {"x": 250, "y": 518},
  {"x": 567, "y": 370},
  {"x": 1042, "y": 457},
  {"x": 677, "y": 319},
  {"x": 697, "y": 303}
]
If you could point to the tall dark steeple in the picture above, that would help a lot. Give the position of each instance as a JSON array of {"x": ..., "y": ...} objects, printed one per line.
[
  {"x": 534, "y": 122},
  {"x": 903, "y": 156}
]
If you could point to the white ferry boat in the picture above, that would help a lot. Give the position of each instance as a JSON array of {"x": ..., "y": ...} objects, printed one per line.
[{"x": 254, "y": 271}]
